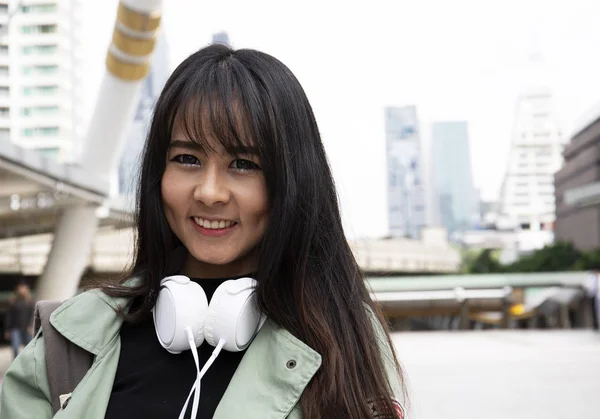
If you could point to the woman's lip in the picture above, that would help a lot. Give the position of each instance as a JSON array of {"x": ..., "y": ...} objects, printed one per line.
[
  {"x": 212, "y": 219},
  {"x": 213, "y": 232}
]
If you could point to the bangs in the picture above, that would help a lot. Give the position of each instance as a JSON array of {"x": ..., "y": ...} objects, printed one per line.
[{"x": 214, "y": 111}]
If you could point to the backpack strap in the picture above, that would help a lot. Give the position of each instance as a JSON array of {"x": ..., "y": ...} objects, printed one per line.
[{"x": 66, "y": 363}]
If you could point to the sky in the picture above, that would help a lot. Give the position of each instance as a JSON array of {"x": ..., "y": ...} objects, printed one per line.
[{"x": 455, "y": 60}]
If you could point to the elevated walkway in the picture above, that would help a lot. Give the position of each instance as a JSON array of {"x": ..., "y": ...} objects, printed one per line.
[{"x": 35, "y": 190}]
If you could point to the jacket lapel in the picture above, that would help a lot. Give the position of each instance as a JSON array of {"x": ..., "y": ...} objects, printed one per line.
[
  {"x": 271, "y": 377},
  {"x": 89, "y": 321},
  {"x": 267, "y": 384}
]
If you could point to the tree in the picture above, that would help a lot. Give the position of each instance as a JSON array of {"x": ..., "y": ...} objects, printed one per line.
[
  {"x": 485, "y": 262},
  {"x": 559, "y": 256}
]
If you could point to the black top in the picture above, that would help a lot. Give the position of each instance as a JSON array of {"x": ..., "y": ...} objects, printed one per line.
[{"x": 153, "y": 383}]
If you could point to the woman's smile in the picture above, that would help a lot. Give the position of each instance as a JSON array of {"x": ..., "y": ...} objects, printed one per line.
[{"x": 213, "y": 228}]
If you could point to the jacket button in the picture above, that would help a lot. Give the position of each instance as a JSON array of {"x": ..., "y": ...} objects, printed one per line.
[{"x": 291, "y": 364}]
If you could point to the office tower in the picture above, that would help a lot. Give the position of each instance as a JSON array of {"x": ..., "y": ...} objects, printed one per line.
[
  {"x": 527, "y": 194},
  {"x": 406, "y": 207},
  {"x": 455, "y": 199},
  {"x": 221, "y": 38},
  {"x": 38, "y": 75}
]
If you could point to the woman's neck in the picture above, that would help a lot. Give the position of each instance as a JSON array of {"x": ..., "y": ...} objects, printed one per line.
[{"x": 194, "y": 268}]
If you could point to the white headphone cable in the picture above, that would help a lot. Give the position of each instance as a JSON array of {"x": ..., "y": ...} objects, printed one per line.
[
  {"x": 197, "y": 382},
  {"x": 212, "y": 358},
  {"x": 196, "y": 386}
]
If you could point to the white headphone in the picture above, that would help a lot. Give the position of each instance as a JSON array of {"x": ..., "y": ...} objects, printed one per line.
[{"x": 232, "y": 318}]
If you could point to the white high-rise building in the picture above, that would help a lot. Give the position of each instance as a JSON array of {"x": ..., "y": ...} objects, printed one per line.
[
  {"x": 406, "y": 196},
  {"x": 38, "y": 79},
  {"x": 527, "y": 194}
]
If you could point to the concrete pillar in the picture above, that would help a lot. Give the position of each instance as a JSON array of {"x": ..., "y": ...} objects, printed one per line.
[
  {"x": 69, "y": 256},
  {"x": 127, "y": 64}
]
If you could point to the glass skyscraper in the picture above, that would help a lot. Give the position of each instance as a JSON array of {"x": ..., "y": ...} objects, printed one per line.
[
  {"x": 405, "y": 193},
  {"x": 455, "y": 199}
]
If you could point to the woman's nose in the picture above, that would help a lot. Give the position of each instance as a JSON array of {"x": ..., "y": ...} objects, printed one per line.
[{"x": 212, "y": 189}]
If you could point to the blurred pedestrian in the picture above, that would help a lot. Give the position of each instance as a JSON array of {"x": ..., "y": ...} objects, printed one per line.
[{"x": 19, "y": 318}]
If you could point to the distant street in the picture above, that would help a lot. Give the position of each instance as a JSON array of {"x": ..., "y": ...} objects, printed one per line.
[{"x": 502, "y": 374}]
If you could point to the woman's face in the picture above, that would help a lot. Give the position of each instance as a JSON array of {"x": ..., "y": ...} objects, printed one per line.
[{"x": 216, "y": 204}]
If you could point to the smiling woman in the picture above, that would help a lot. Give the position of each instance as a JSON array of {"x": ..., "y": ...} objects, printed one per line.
[{"x": 239, "y": 244}]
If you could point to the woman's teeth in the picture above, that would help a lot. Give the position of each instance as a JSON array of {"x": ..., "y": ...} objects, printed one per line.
[{"x": 213, "y": 224}]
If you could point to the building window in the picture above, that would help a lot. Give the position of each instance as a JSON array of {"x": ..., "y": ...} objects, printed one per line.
[
  {"x": 4, "y": 111},
  {"x": 4, "y": 134},
  {"x": 40, "y": 111},
  {"x": 34, "y": 29},
  {"x": 39, "y": 49},
  {"x": 39, "y": 8},
  {"x": 3, "y": 50},
  {"x": 3, "y": 9},
  {"x": 3, "y": 70},
  {"x": 541, "y": 134},
  {"x": 40, "y": 70},
  {"x": 40, "y": 90},
  {"x": 4, "y": 91},
  {"x": 40, "y": 131}
]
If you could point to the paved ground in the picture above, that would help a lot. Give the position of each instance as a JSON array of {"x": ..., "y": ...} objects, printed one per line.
[
  {"x": 495, "y": 374},
  {"x": 502, "y": 374}
]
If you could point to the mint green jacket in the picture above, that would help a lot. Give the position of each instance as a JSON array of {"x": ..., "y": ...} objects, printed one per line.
[{"x": 262, "y": 387}]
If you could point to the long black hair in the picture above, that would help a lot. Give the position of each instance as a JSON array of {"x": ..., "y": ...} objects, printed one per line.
[{"x": 308, "y": 280}]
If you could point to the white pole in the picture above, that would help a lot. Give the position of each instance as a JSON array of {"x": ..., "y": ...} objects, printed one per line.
[{"x": 127, "y": 64}]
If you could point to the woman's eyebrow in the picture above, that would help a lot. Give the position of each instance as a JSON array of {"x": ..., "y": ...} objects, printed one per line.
[
  {"x": 244, "y": 150},
  {"x": 188, "y": 145}
]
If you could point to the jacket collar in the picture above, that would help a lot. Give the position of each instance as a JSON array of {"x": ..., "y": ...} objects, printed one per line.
[
  {"x": 89, "y": 320},
  {"x": 272, "y": 374}
]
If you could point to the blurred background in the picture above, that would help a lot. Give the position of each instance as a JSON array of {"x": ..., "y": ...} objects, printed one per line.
[{"x": 464, "y": 137}]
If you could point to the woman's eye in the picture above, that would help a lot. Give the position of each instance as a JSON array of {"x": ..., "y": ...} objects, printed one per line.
[
  {"x": 186, "y": 160},
  {"x": 245, "y": 165}
]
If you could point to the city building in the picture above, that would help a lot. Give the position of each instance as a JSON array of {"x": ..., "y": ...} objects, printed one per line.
[
  {"x": 577, "y": 186},
  {"x": 527, "y": 195},
  {"x": 221, "y": 38},
  {"x": 405, "y": 191},
  {"x": 455, "y": 198},
  {"x": 39, "y": 83}
]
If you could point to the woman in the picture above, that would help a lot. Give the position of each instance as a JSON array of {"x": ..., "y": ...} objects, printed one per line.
[{"x": 234, "y": 183}]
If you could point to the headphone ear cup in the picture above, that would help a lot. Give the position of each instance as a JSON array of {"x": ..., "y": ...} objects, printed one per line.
[
  {"x": 180, "y": 303},
  {"x": 211, "y": 329},
  {"x": 232, "y": 315}
]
